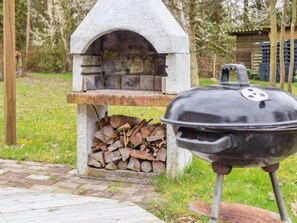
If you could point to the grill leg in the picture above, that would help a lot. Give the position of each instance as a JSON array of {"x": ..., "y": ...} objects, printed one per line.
[
  {"x": 217, "y": 199},
  {"x": 277, "y": 193},
  {"x": 279, "y": 198},
  {"x": 221, "y": 170}
]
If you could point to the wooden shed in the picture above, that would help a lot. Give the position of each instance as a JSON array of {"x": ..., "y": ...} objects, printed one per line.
[{"x": 247, "y": 51}]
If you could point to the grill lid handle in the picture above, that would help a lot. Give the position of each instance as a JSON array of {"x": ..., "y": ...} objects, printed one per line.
[
  {"x": 242, "y": 76},
  {"x": 208, "y": 147}
]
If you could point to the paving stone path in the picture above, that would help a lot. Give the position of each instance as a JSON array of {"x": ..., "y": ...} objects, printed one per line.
[{"x": 58, "y": 178}]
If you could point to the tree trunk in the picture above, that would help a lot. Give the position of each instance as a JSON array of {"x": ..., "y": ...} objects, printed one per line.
[
  {"x": 193, "y": 47},
  {"x": 62, "y": 23},
  {"x": 281, "y": 43},
  {"x": 181, "y": 15},
  {"x": 273, "y": 44},
  {"x": 217, "y": 12},
  {"x": 1, "y": 61},
  {"x": 52, "y": 26},
  {"x": 28, "y": 28},
  {"x": 214, "y": 66},
  {"x": 189, "y": 27},
  {"x": 177, "y": 9},
  {"x": 246, "y": 13},
  {"x": 259, "y": 5},
  {"x": 292, "y": 51}
]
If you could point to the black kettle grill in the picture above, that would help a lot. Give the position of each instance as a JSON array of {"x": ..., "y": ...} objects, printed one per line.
[{"x": 236, "y": 124}]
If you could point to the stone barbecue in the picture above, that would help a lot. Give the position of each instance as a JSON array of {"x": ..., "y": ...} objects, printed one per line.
[{"x": 127, "y": 53}]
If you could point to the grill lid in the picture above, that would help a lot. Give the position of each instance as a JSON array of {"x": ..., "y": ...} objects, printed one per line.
[{"x": 234, "y": 106}]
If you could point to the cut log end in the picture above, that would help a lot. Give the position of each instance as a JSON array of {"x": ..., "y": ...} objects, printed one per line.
[
  {"x": 134, "y": 165},
  {"x": 123, "y": 165},
  {"x": 111, "y": 166},
  {"x": 159, "y": 167},
  {"x": 146, "y": 167},
  {"x": 94, "y": 163}
]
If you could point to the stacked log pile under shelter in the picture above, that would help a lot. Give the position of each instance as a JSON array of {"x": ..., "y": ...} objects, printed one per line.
[{"x": 128, "y": 143}]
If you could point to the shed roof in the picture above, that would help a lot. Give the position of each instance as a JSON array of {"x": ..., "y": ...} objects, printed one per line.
[{"x": 239, "y": 32}]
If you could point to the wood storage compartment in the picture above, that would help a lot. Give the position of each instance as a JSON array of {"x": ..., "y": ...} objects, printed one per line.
[{"x": 128, "y": 143}]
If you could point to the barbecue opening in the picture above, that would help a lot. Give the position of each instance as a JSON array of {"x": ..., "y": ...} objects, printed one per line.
[{"x": 123, "y": 60}]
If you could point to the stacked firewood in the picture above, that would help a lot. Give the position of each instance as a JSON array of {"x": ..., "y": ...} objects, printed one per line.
[{"x": 128, "y": 143}]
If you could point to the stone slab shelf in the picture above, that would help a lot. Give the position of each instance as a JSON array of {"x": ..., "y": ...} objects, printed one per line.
[{"x": 120, "y": 97}]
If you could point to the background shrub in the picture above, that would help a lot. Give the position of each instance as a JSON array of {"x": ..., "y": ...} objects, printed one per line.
[{"x": 47, "y": 60}]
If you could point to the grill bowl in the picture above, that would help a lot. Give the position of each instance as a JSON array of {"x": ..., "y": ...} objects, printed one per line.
[{"x": 234, "y": 123}]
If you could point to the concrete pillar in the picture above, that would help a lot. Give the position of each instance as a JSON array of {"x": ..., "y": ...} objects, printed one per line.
[
  {"x": 177, "y": 159},
  {"x": 86, "y": 128},
  {"x": 178, "y": 71},
  {"x": 77, "y": 84}
]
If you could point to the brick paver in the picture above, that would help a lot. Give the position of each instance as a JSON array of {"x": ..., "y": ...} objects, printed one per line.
[
  {"x": 44, "y": 188},
  {"x": 38, "y": 177},
  {"x": 67, "y": 185},
  {"x": 59, "y": 178}
]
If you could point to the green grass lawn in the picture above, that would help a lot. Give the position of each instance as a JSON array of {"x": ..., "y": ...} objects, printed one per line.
[
  {"x": 46, "y": 124},
  {"x": 46, "y": 127}
]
